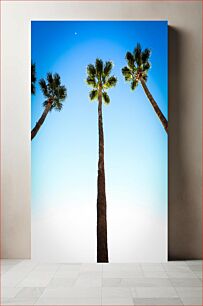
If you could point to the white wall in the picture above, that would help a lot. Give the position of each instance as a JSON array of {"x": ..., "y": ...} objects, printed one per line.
[{"x": 184, "y": 113}]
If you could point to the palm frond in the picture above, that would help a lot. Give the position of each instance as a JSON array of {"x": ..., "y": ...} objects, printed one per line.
[
  {"x": 107, "y": 68},
  {"x": 43, "y": 87},
  {"x": 91, "y": 71},
  {"x": 111, "y": 82},
  {"x": 33, "y": 78},
  {"x": 99, "y": 78},
  {"x": 127, "y": 73},
  {"x": 99, "y": 67},
  {"x": 91, "y": 81},
  {"x": 33, "y": 72},
  {"x": 138, "y": 54},
  {"x": 62, "y": 92},
  {"x": 103, "y": 79},
  {"x": 56, "y": 79},
  {"x": 53, "y": 90},
  {"x": 134, "y": 84},
  {"x": 49, "y": 78},
  {"x": 130, "y": 59},
  {"x": 106, "y": 97},
  {"x": 146, "y": 55},
  {"x": 146, "y": 66},
  {"x": 57, "y": 105},
  {"x": 93, "y": 94},
  {"x": 33, "y": 89}
]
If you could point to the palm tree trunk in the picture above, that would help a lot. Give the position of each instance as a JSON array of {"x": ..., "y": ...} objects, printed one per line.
[
  {"x": 102, "y": 248},
  {"x": 155, "y": 106},
  {"x": 40, "y": 121}
]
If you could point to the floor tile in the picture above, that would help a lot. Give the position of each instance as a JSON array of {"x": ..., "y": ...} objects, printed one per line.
[
  {"x": 5, "y": 268},
  {"x": 10, "y": 261},
  {"x": 15, "y": 275},
  {"x": 197, "y": 268},
  {"x": 116, "y": 292},
  {"x": 146, "y": 282},
  {"x": 122, "y": 274},
  {"x": 152, "y": 267},
  {"x": 90, "y": 274},
  {"x": 193, "y": 262},
  {"x": 175, "y": 263},
  {"x": 155, "y": 274},
  {"x": 192, "y": 301},
  {"x": 117, "y": 301},
  {"x": 185, "y": 282},
  {"x": 189, "y": 291},
  {"x": 40, "y": 274},
  {"x": 91, "y": 267},
  {"x": 126, "y": 267},
  {"x": 198, "y": 274},
  {"x": 178, "y": 274},
  {"x": 153, "y": 292},
  {"x": 61, "y": 282},
  {"x": 111, "y": 282},
  {"x": 176, "y": 268},
  {"x": 66, "y": 274},
  {"x": 9, "y": 292},
  {"x": 69, "y": 301},
  {"x": 157, "y": 301},
  {"x": 30, "y": 292},
  {"x": 88, "y": 282},
  {"x": 22, "y": 301},
  {"x": 69, "y": 267},
  {"x": 46, "y": 268},
  {"x": 4, "y": 301},
  {"x": 35, "y": 283},
  {"x": 37, "y": 279},
  {"x": 74, "y": 292}
]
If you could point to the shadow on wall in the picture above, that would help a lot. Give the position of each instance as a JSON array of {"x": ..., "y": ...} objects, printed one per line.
[{"x": 184, "y": 218}]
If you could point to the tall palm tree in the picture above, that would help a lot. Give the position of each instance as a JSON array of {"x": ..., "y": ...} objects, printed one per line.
[
  {"x": 136, "y": 71},
  {"x": 98, "y": 77},
  {"x": 33, "y": 78},
  {"x": 55, "y": 94}
]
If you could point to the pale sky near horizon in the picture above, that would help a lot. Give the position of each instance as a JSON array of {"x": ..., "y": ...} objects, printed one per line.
[{"x": 65, "y": 151}]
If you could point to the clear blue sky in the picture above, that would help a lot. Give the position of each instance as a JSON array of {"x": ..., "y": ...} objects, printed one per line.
[{"x": 65, "y": 151}]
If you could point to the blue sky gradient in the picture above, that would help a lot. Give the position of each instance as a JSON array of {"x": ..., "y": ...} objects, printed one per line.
[{"x": 65, "y": 151}]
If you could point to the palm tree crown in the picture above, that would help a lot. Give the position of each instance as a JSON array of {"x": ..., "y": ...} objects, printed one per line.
[
  {"x": 136, "y": 71},
  {"x": 100, "y": 80},
  {"x": 53, "y": 91},
  {"x": 138, "y": 66},
  {"x": 33, "y": 78}
]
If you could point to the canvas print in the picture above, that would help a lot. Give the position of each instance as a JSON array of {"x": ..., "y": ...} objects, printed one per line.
[{"x": 99, "y": 135}]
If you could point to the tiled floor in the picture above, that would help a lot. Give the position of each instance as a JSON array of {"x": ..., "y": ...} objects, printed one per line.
[{"x": 25, "y": 282}]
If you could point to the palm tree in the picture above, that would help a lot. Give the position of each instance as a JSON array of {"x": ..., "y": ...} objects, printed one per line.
[
  {"x": 136, "y": 71},
  {"x": 55, "y": 94},
  {"x": 98, "y": 77},
  {"x": 33, "y": 78}
]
